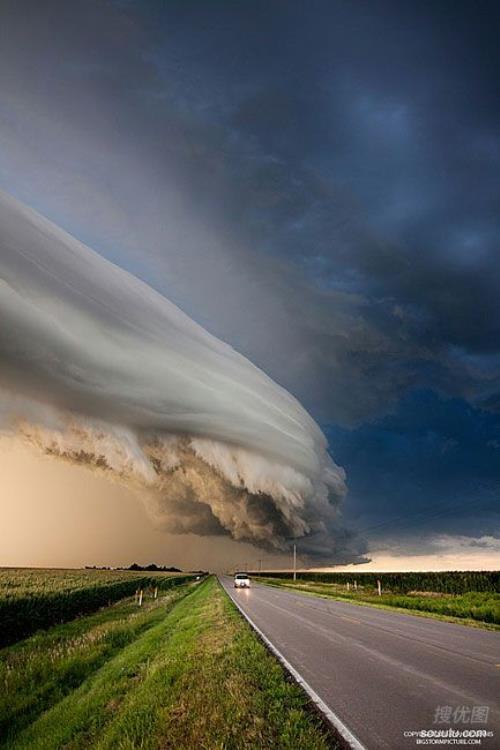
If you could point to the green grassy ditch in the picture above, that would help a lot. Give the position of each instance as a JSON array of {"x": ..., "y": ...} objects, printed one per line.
[{"x": 183, "y": 671}]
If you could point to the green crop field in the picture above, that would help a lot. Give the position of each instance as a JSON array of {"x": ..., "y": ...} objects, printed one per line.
[
  {"x": 184, "y": 670},
  {"x": 445, "y": 582},
  {"x": 20, "y": 582},
  {"x": 31, "y": 599},
  {"x": 472, "y": 598}
]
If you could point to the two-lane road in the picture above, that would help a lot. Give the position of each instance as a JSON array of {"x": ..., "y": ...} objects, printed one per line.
[{"x": 382, "y": 673}]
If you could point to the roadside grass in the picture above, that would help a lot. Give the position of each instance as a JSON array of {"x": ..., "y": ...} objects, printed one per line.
[
  {"x": 40, "y": 671},
  {"x": 476, "y": 609},
  {"x": 197, "y": 678}
]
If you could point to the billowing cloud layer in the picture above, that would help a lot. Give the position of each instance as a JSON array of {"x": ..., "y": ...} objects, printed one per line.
[
  {"x": 100, "y": 369},
  {"x": 329, "y": 206}
]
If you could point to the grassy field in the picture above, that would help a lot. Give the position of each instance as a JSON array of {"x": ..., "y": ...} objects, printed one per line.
[
  {"x": 475, "y": 607},
  {"x": 31, "y": 599},
  {"x": 183, "y": 671}
]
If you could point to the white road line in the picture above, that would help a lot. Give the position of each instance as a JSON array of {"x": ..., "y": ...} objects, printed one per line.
[{"x": 332, "y": 717}]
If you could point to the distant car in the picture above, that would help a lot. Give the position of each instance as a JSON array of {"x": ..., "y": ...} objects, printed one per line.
[{"x": 241, "y": 581}]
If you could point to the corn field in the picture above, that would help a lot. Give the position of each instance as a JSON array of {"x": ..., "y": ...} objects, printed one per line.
[
  {"x": 453, "y": 582},
  {"x": 34, "y": 599}
]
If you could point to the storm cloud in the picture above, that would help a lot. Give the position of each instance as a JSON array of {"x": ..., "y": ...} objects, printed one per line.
[
  {"x": 317, "y": 186},
  {"x": 99, "y": 369}
]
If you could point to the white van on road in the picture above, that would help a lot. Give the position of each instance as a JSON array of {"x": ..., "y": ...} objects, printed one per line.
[{"x": 241, "y": 581}]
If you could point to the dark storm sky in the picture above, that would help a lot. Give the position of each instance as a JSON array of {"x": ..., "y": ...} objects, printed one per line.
[{"x": 316, "y": 183}]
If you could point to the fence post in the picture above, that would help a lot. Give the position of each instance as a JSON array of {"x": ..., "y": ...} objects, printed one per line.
[
  {"x": 140, "y": 598},
  {"x": 156, "y": 593},
  {"x": 379, "y": 587}
]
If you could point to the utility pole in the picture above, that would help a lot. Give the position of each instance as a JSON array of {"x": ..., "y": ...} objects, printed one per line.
[{"x": 294, "y": 562}]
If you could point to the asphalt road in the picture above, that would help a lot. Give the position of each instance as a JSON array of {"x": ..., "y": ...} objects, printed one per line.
[{"x": 382, "y": 673}]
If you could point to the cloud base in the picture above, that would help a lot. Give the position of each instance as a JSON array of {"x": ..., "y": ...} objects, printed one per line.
[{"x": 100, "y": 369}]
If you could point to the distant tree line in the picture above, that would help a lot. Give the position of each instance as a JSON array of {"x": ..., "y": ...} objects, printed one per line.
[
  {"x": 153, "y": 567},
  {"x": 136, "y": 566}
]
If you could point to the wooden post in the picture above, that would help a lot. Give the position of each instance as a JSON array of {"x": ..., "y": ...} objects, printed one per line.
[
  {"x": 156, "y": 593},
  {"x": 140, "y": 598},
  {"x": 379, "y": 587}
]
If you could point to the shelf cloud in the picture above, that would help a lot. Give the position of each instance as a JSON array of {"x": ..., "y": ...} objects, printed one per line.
[{"x": 100, "y": 369}]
